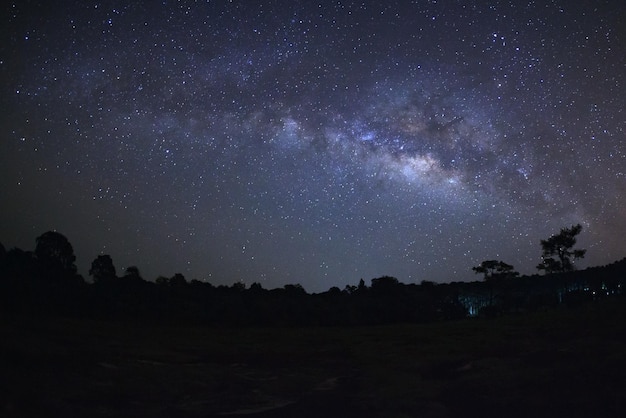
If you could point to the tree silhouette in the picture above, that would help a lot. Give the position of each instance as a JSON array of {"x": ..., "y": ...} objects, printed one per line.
[
  {"x": 178, "y": 280},
  {"x": 162, "y": 281},
  {"x": 55, "y": 254},
  {"x": 102, "y": 269},
  {"x": 256, "y": 288},
  {"x": 3, "y": 257},
  {"x": 558, "y": 255},
  {"x": 294, "y": 289},
  {"x": 238, "y": 286},
  {"x": 495, "y": 269},
  {"x": 385, "y": 285},
  {"x": 19, "y": 264},
  {"x": 132, "y": 274}
]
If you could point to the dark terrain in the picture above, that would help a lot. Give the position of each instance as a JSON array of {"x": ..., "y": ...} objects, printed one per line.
[{"x": 559, "y": 362}]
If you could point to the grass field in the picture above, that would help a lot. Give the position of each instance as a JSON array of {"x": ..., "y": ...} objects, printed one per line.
[{"x": 564, "y": 362}]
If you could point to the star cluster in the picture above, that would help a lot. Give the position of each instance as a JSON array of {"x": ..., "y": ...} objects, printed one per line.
[{"x": 314, "y": 142}]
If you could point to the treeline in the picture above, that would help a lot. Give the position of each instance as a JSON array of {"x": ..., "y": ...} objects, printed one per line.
[{"x": 45, "y": 281}]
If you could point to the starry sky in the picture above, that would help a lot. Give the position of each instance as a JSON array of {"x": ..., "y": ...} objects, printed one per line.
[{"x": 313, "y": 142}]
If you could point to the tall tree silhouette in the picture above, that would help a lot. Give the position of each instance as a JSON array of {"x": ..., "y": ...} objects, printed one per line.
[
  {"x": 55, "y": 254},
  {"x": 494, "y": 270},
  {"x": 102, "y": 269},
  {"x": 557, "y": 253}
]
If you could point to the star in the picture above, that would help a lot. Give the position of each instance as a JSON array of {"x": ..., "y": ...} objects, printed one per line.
[{"x": 318, "y": 144}]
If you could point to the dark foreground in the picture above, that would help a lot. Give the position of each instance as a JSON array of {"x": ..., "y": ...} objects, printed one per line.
[{"x": 566, "y": 362}]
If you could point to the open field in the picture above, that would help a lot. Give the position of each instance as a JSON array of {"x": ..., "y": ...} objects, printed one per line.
[{"x": 565, "y": 362}]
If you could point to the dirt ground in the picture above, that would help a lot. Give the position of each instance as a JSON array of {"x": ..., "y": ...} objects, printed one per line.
[{"x": 566, "y": 362}]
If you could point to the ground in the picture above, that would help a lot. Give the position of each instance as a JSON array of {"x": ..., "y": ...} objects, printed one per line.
[{"x": 562, "y": 362}]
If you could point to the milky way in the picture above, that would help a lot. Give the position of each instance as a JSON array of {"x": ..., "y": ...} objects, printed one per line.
[{"x": 314, "y": 142}]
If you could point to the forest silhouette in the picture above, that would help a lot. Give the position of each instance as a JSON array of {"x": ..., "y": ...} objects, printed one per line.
[{"x": 46, "y": 281}]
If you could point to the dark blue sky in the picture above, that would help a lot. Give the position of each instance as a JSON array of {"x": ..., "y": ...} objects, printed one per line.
[{"x": 313, "y": 142}]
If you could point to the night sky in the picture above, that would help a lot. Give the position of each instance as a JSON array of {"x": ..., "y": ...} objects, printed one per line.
[{"x": 313, "y": 142}]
